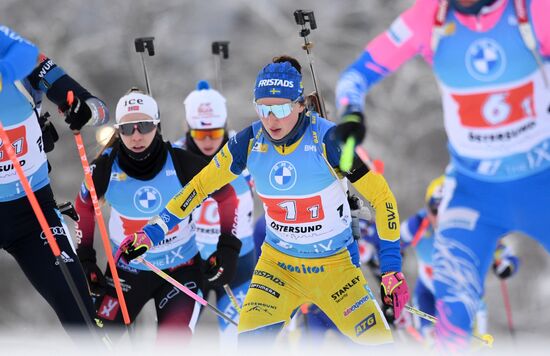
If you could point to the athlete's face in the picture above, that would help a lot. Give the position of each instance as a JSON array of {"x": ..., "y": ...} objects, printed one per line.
[
  {"x": 208, "y": 144},
  {"x": 278, "y": 128},
  {"x": 137, "y": 141}
]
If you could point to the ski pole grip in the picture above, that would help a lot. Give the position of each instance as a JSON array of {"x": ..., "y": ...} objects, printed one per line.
[
  {"x": 346, "y": 159},
  {"x": 70, "y": 97},
  {"x": 145, "y": 43}
]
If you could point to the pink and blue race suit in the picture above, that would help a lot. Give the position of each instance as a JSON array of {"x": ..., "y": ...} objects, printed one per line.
[{"x": 496, "y": 102}]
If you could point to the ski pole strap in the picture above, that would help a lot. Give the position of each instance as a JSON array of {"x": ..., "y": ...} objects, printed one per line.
[{"x": 184, "y": 289}]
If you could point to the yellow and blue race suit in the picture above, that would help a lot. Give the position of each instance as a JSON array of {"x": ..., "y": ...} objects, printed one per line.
[{"x": 309, "y": 254}]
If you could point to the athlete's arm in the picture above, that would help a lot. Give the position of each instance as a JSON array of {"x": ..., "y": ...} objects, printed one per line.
[
  {"x": 407, "y": 36},
  {"x": 539, "y": 16},
  {"x": 228, "y": 205},
  {"x": 18, "y": 56},
  {"x": 226, "y": 165},
  {"x": 375, "y": 189},
  {"x": 51, "y": 79},
  {"x": 83, "y": 203},
  {"x": 85, "y": 225}
]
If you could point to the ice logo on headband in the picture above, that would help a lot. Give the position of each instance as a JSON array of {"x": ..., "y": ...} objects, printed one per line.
[{"x": 276, "y": 82}]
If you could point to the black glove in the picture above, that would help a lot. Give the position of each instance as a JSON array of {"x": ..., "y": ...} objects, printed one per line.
[
  {"x": 49, "y": 133},
  {"x": 96, "y": 279},
  {"x": 78, "y": 114},
  {"x": 355, "y": 205},
  {"x": 352, "y": 124},
  {"x": 220, "y": 267}
]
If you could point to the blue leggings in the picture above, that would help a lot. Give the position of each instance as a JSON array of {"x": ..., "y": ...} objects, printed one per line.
[
  {"x": 473, "y": 216},
  {"x": 424, "y": 299}
]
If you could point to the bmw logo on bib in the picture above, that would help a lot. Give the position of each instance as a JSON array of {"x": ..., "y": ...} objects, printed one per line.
[
  {"x": 282, "y": 176},
  {"x": 485, "y": 60},
  {"x": 147, "y": 199}
]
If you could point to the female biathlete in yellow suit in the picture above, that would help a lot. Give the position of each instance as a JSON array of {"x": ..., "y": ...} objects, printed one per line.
[{"x": 309, "y": 254}]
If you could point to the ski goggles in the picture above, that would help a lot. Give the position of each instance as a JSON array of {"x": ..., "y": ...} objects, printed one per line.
[
  {"x": 214, "y": 134},
  {"x": 143, "y": 127},
  {"x": 280, "y": 111}
]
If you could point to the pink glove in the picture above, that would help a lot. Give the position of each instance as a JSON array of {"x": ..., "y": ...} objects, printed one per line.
[
  {"x": 133, "y": 246},
  {"x": 395, "y": 294}
]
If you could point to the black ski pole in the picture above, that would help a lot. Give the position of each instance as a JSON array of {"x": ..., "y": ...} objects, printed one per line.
[
  {"x": 303, "y": 18},
  {"x": 220, "y": 49},
  {"x": 142, "y": 44},
  {"x": 37, "y": 209}
]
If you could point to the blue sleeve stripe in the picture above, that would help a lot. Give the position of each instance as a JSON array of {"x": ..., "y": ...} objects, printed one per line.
[
  {"x": 50, "y": 78},
  {"x": 238, "y": 147},
  {"x": 364, "y": 65},
  {"x": 390, "y": 256},
  {"x": 358, "y": 78},
  {"x": 155, "y": 232}
]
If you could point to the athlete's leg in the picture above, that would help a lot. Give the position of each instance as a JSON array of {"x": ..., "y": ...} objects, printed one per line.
[
  {"x": 317, "y": 322},
  {"x": 137, "y": 287},
  {"x": 272, "y": 296},
  {"x": 239, "y": 287},
  {"x": 530, "y": 199},
  {"x": 28, "y": 245},
  {"x": 178, "y": 313},
  {"x": 424, "y": 300},
  {"x": 463, "y": 251},
  {"x": 342, "y": 292},
  {"x": 481, "y": 319}
]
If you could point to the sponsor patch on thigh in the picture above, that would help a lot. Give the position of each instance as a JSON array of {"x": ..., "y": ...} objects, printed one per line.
[
  {"x": 265, "y": 289},
  {"x": 109, "y": 308},
  {"x": 365, "y": 324}
]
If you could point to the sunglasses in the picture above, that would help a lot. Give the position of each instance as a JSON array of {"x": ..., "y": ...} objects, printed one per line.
[
  {"x": 203, "y": 134},
  {"x": 279, "y": 111},
  {"x": 143, "y": 127}
]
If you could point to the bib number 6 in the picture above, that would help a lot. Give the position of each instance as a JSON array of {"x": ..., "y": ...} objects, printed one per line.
[{"x": 496, "y": 109}]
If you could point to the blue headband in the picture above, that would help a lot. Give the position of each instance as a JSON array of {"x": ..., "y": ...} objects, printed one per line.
[{"x": 278, "y": 80}]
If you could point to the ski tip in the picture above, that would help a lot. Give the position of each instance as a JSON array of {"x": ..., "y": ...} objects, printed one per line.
[{"x": 203, "y": 85}]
